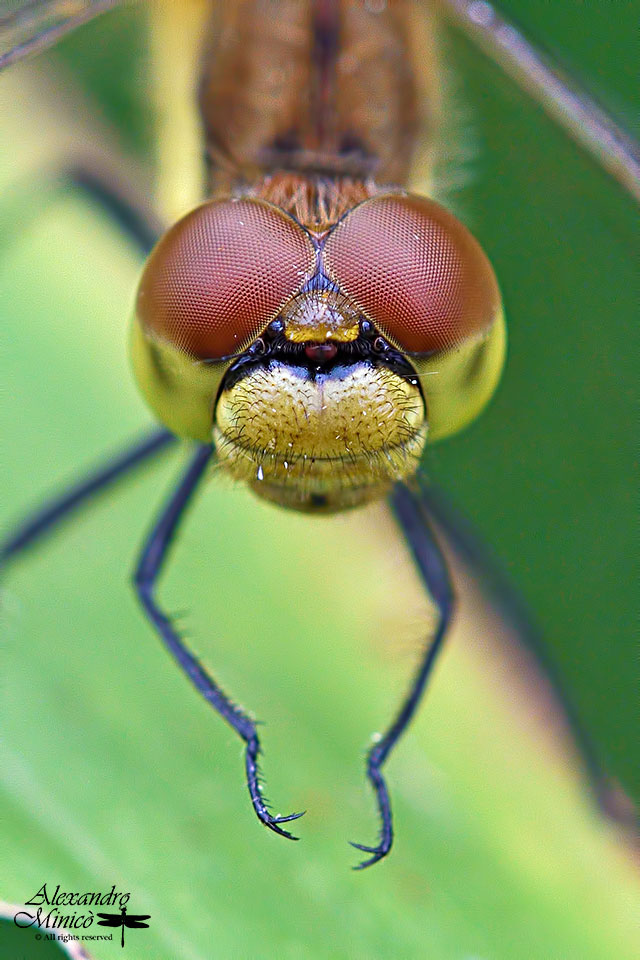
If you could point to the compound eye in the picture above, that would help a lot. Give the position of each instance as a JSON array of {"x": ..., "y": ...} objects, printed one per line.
[
  {"x": 217, "y": 278},
  {"x": 415, "y": 271}
]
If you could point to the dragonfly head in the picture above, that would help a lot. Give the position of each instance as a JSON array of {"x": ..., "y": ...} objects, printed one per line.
[{"x": 318, "y": 365}]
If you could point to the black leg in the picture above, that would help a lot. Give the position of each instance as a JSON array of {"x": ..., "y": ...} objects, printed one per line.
[
  {"x": 138, "y": 221},
  {"x": 60, "y": 508},
  {"x": 147, "y": 572},
  {"x": 608, "y": 795},
  {"x": 434, "y": 572},
  {"x": 121, "y": 202},
  {"x": 101, "y": 179}
]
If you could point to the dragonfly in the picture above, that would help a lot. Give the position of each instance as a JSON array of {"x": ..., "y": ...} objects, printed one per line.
[
  {"x": 133, "y": 921},
  {"x": 321, "y": 360}
]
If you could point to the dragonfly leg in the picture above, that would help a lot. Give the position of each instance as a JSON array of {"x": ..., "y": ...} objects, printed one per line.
[
  {"x": 59, "y": 508},
  {"x": 102, "y": 180},
  {"x": 411, "y": 517},
  {"x": 147, "y": 572},
  {"x": 122, "y": 202},
  {"x": 609, "y": 796}
]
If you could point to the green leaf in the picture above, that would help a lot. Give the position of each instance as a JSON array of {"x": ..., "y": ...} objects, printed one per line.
[{"x": 115, "y": 773}]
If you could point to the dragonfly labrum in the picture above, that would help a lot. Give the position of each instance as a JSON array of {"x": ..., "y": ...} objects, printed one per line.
[{"x": 314, "y": 324}]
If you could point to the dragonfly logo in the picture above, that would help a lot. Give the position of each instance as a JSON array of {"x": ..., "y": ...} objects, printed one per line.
[
  {"x": 132, "y": 921},
  {"x": 70, "y": 917}
]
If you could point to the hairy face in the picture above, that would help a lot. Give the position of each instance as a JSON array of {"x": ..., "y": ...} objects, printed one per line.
[{"x": 316, "y": 439}]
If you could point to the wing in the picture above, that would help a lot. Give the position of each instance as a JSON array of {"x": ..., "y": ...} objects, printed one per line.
[
  {"x": 110, "y": 919},
  {"x": 566, "y": 102},
  {"x": 136, "y": 921},
  {"x": 30, "y": 26}
]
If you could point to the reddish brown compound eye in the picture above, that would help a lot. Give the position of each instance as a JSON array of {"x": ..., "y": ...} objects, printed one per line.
[
  {"x": 415, "y": 271},
  {"x": 217, "y": 278}
]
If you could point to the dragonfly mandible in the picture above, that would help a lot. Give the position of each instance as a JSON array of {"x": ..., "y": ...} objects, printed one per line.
[{"x": 313, "y": 324}]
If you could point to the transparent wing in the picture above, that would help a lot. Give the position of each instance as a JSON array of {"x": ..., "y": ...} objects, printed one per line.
[
  {"x": 560, "y": 96},
  {"x": 29, "y": 26}
]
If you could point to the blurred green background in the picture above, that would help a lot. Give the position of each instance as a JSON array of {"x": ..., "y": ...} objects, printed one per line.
[{"x": 116, "y": 773}]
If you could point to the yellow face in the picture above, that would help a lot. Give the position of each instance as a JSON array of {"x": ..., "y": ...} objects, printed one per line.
[
  {"x": 303, "y": 382},
  {"x": 319, "y": 424}
]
